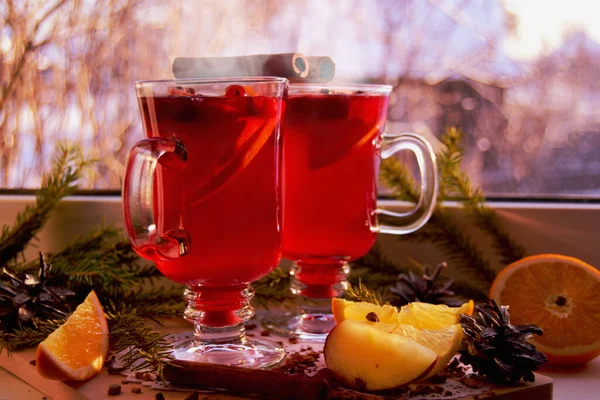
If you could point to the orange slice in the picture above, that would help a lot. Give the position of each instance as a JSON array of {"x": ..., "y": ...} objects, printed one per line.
[
  {"x": 444, "y": 342},
  {"x": 357, "y": 311},
  {"x": 250, "y": 141},
  {"x": 77, "y": 349},
  {"x": 560, "y": 294},
  {"x": 433, "y": 316},
  {"x": 419, "y": 315}
]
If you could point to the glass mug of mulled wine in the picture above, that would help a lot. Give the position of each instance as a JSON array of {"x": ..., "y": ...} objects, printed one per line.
[
  {"x": 202, "y": 199},
  {"x": 333, "y": 143}
]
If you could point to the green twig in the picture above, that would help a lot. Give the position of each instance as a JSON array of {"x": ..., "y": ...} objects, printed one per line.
[
  {"x": 60, "y": 182},
  {"x": 441, "y": 230},
  {"x": 457, "y": 183}
]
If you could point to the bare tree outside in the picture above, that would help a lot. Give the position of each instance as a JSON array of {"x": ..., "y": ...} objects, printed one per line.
[{"x": 67, "y": 69}]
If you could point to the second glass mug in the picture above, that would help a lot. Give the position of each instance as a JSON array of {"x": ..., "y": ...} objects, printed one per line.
[
  {"x": 202, "y": 200},
  {"x": 333, "y": 143}
]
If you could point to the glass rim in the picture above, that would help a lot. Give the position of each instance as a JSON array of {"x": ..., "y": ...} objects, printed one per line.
[
  {"x": 365, "y": 87},
  {"x": 233, "y": 79}
]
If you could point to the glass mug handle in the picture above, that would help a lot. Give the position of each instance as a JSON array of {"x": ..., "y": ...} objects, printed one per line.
[
  {"x": 138, "y": 198},
  {"x": 414, "y": 219}
]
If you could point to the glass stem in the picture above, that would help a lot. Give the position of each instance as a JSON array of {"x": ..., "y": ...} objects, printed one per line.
[
  {"x": 218, "y": 314},
  {"x": 319, "y": 281}
]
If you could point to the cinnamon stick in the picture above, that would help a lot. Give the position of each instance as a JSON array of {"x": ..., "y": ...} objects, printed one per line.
[
  {"x": 293, "y": 66},
  {"x": 322, "y": 69},
  {"x": 245, "y": 381}
]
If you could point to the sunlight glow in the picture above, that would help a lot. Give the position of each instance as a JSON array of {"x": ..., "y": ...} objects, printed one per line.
[{"x": 542, "y": 24}]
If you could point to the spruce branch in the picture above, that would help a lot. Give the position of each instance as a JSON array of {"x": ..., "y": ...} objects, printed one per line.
[
  {"x": 151, "y": 304},
  {"x": 142, "y": 347},
  {"x": 360, "y": 292},
  {"x": 273, "y": 288},
  {"x": 98, "y": 260},
  {"x": 27, "y": 336},
  {"x": 456, "y": 182},
  {"x": 67, "y": 167},
  {"x": 441, "y": 230},
  {"x": 395, "y": 174}
]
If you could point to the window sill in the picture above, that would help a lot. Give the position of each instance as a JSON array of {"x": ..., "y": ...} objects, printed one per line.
[{"x": 565, "y": 228}]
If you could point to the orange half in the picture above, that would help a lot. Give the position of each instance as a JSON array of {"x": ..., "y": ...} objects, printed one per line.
[{"x": 561, "y": 295}]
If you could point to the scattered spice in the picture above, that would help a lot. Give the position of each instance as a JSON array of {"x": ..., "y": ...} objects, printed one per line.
[
  {"x": 145, "y": 376},
  {"x": 159, "y": 396},
  {"x": 472, "y": 382},
  {"x": 114, "y": 390},
  {"x": 426, "y": 389},
  {"x": 250, "y": 327},
  {"x": 438, "y": 378},
  {"x": 298, "y": 363},
  {"x": 265, "y": 333},
  {"x": 372, "y": 316},
  {"x": 32, "y": 362},
  {"x": 453, "y": 369},
  {"x": 195, "y": 395},
  {"x": 326, "y": 374},
  {"x": 293, "y": 340},
  {"x": 136, "y": 390},
  {"x": 125, "y": 382},
  {"x": 447, "y": 393},
  {"x": 109, "y": 361},
  {"x": 115, "y": 370}
]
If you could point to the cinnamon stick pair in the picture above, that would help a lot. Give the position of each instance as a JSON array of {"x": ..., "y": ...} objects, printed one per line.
[{"x": 293, "y": 66}]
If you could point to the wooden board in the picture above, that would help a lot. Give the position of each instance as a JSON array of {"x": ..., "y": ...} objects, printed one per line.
[{"x": 18, "y": 363}]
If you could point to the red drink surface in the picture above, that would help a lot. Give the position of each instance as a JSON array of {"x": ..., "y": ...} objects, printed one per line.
[
  {"x": 227, "y": 196},
  {"x": 331, "y": 161}
]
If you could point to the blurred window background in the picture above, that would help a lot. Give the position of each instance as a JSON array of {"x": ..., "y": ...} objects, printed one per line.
[{"x": 520, "y": 78}]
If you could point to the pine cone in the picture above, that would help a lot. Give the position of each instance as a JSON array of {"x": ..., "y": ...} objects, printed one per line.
[
  {"x": 428, "y": 288},
  {"x": 498, "y": 350},
  {"x": 24, "y": 299}
]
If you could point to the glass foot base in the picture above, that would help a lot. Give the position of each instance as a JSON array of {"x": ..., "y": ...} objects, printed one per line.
[
  {"x": 309, "y": 326},
  {"x": 243, "y": 353}
]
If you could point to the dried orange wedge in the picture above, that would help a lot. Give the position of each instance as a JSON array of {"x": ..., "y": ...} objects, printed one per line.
[
  {"x": 560, "y": 294},
  {"x": 77, "y": 349}
]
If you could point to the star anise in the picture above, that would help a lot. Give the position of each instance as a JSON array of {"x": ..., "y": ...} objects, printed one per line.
[
  {"x": 427, "y": 288},
  {"x": 25, "y": 298}
]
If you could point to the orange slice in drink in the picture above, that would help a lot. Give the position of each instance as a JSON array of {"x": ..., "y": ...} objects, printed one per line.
[
  {"x": 560, "y": 294},
  {"x": 77, "y": 349},
  {"x": 251, "y": 140}
]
